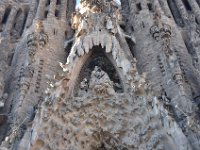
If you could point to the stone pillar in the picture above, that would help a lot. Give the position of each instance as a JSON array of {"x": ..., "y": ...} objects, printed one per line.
[
  {"x": 71, "y": 6},
  {"x": 41, "y": 10},
  {"x": 63, "y": 9},
  {"x": 19, "y": 27},
  {"x": 195, "y": 9},
  {"x": 157, "y": 6},
  {"x": 125, "y": 6},
  {"x": 165, "y": 7},
  {"x": 182, "y": 10},
  {"x": 11, "y": 19},
  {"x": 52, "y": 9},
  {"x": 31, "y": 13},
  {"x": 2, "y": 11}
]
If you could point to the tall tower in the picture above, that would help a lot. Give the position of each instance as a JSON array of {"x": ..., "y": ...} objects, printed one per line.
[{"x": 109, "y": 75}]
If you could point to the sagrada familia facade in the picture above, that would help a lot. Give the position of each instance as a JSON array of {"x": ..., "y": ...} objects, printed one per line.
[{"x": 104, "y": 76}]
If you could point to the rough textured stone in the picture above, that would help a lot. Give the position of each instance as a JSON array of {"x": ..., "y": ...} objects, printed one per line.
[{"x": 106, "y": 76}]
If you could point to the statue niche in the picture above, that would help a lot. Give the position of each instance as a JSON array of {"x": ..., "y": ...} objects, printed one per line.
[{"x": 97, "y": 70}]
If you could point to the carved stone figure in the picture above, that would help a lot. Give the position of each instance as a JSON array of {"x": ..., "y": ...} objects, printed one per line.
[
  {"x": 100, "y": 83},
  {"x": 83, "y": 87}
]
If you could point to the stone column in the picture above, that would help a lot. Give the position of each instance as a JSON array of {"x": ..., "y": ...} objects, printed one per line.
[
  {"x": 31, "y": 13},
  {"x": 52, "y": 9},
  {"x": 2, "y": 11},
  {"x": 71, "y": 6},
  {"x": 165, "y": 7},
  {"x": 182, "y": 9},
  {"x": 157, "y": 6},
  {"x": 63, "y": 9},
  {"x": 19, "y": 27},
  {"x": 125, "y": 6},
  {"x": 11, "y": 19},
  {"x": 41, "y": 10},
  {"x": 195, "y": 9}
]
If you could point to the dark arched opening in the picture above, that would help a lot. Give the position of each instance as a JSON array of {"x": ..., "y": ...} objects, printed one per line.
[
  {"x": 58, "y": 2},
  {"x": 47, "y": 2},
  {"x": 187, "y": 5},
  {"x": 131, "y": 46},
  {"x": 99, "y": 58},
  {"x": 18, "y": 24},
  {"x": 6, "y": 15},
  {"x": 26, "y": 11}
]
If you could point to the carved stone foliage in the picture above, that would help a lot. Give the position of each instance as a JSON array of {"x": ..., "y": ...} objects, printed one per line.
[{"x": 103, "y": 119}]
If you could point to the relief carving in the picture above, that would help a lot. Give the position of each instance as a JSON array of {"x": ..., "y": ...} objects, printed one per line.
[
  {"x": 96, "y": 24},
  {"x": 37, "y": 39}
]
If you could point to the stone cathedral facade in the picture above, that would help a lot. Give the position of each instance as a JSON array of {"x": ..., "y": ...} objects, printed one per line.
[{"x": 105, "y": 76}]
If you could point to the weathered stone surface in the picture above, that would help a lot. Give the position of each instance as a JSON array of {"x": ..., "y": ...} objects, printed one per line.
[{"x": 105, "y": 76}]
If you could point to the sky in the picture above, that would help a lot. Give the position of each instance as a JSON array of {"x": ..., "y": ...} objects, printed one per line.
[{"x": 78, "y": 1}]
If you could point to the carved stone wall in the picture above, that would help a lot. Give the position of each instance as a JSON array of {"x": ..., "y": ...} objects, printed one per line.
[{"x": 107, "y": 75}]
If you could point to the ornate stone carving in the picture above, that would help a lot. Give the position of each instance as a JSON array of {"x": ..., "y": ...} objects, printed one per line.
[
  {"x": 96, "y": 122},
  {"x": 83, "y": 87},
  {"x": 25, "y": 82},
  {"x": 96, "y": 24},
  {"x": 100, "y": 83},
  {"x": 155, "y": 31},
  {"x": 54, "y": 91},
  {"x": 36, "y": 39},
  {"x": 160, "y": 30}
]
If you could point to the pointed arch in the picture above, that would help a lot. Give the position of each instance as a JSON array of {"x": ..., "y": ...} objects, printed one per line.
[
  {"x": 19, "y": 23},
  {"x": 86, "y": 64},
  {"x": 6, "y": 15}
]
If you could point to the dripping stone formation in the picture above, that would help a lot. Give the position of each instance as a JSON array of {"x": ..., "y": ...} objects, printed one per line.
[{"x": 106, "y": 75}]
